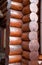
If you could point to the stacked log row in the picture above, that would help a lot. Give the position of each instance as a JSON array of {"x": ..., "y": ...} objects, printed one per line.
[
  {"x": 30, "y": 42},
  {"x": 15, "y": 40}
]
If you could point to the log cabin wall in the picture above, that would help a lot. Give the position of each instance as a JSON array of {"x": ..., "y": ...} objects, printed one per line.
[
  {"x": 30, "y": 42},
  {"x": 14, "y": 32},
  {"x": 22, "y": 33},
  {"x": 15, "y": 41}
]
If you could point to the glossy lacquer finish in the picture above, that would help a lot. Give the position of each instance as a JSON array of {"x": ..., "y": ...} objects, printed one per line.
[
  {"x": 30, "y": 43},
  {"x": 23, "y": 35},
  {"x": 15, "y": 27}
]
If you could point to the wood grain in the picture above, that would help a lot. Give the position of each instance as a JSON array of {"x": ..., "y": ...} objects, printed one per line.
[
  {"x": 30, "y": 46},
  {"x": 15, "y": 41},
  {"x": 16, "y": 6},
  {"x": 30, "y": 55},
  {"x": 15, "y": 59},
  {"x": 16, "y": 14},
  {"x": 15, "y": 31},
  {"x": 26, "y": 10},
  {"x": 26, "y": 19},
  {"x": 26, "y": 2},
  {"x": 16, "y": 23}
]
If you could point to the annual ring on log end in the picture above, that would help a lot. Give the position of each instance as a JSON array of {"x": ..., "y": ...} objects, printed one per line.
[
  {"x": 26, "y": 19},
  {"x": 34, "y": 45},
  {"x": 26, "y": 10},
  {"x": 30, "y": 55},
  {"x": 34, "y": 1},
  {"x": 33, "y": 35},
  {"x": 33, "y": 26},
  {"x": 26, "y": 2}
]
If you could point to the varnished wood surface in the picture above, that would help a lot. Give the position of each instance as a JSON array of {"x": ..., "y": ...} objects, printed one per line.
[
  {"x": 15, "y": 58},
  {"x": 16, "y": 6},
  {"x": 15, "y": 32},
  {"x": 16, "y": 41},
  {"x": 26, "y": 2},
  {"x": 40, "y": 57},
  {"x": 30, "y": 55},
  {"x": 16, "y": 23},
  {"x": 27, "y": 62}
]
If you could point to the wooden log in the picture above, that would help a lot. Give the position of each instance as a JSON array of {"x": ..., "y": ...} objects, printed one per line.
[
  {"x": 33, "y": 35},
  {"x": 30, "y": 46},
  {"x": 25, "y": 45},
  {"x": 15, "y": 40},
  {"x": 26, "y": 10},
  {"x": 16, "y": 14},
  {"x": 24, "y": 62},
  {"x": 30, "y": 17},
  {"x": 33, "y": 17},
  {"x": 27, "y": 62},
  {"x": 25, "y": 36},
  {"x": 34, "y": 44},
  {"x": 15, "y": 31},
  {"x": 33, "y": 7},
  {"x": 15, "y": 64},
  {"x": 15, "y": 58},
  {"x": 26, "y": 2},
  {"x": 36, "y": 1},
  {"x": 16, "y": 6},
  {"x": 33, "y": 62},
  {"x": 30, "y": 8},
  {"x": 15, "y": 49},
  {"x": 25, "y": 27},
  {"x": 20, "y": 1},
  {"x": 30, "y": 36},
  {"x": 15, "y": 23},
  {"x": 40, "y": 57},
  {"x": 30, "y": 55},
  {"x": 32, "y": 26},
  {"x": 26, "y": 19}
]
